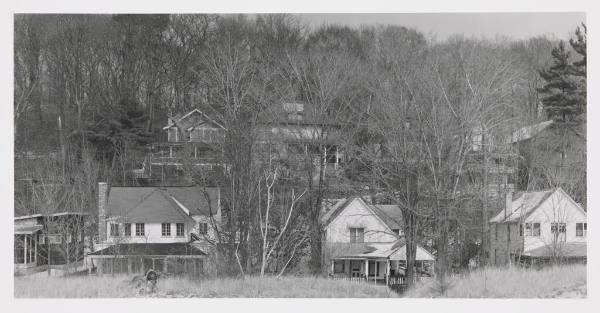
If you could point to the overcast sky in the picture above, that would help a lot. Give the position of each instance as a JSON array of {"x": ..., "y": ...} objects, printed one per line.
[{"x": 442, "y": 25}]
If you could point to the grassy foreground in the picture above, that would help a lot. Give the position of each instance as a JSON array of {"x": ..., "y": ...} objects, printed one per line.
[
  {"x": 553, "y": 282},
  {"x": 120, "y": 287}
]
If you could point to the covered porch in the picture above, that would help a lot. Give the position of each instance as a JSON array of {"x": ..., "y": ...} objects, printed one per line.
[
  {"x": 26, "y": 246},
  {"x": 172, "y": 258},
  {"x": 380, "y": 263}
]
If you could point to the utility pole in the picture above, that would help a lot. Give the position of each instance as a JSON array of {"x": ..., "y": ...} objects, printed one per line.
[{"x": 484, "y": 208}]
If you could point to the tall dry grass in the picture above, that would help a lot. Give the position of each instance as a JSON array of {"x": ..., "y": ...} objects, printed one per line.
[
  {"x": 269, "y": 287},
  {"x": 514, "y": 282}
]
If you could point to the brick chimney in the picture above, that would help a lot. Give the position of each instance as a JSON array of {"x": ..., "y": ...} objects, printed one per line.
[
  {"x": 508, "y": 205},
  {"x": 102, "y": 199}
]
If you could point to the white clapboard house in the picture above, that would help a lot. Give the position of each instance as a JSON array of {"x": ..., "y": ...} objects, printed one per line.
[
  {"x": 165, "y": 228},
  {"x": 365, "y": 241},
  {"x": 539, "y": 226}
]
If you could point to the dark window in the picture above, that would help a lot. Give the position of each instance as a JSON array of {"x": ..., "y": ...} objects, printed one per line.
[
  {"x": 357, "y": 235},
  {"x": 166, "y": 229},
  {"x": 396, "y": 231},
  {"x": 536, "y": 230},
  {"x": 521, "y": 230},
  {"x": 127, "y": 229},
  {"x": 114, "y": 230},
  {"x": 559, "y": 230},
  {"x": 203, "y": 228},
  {"x": 496, "y": 232},
  {"x": 139, "y": 229},
  {"x": 180, "y": 230},
  {"x": 339, "y": 266},
  {"x": 581, "y": 229}
]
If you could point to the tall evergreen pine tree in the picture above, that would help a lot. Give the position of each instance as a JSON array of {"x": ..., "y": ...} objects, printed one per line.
[{"x": 561, "y": 101}]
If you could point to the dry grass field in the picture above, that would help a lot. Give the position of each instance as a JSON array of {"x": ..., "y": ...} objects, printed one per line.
[
  {"x": 120, "y": 287},
  {"x": 552, "y": 282}
]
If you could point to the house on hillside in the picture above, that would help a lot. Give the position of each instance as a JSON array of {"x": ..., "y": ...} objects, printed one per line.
[
  {"x": 49, "y": 242},
  {"x": 365, "y": 241},
  {"x": 543, "y": 160},
  {"x": 538, "y": 227},
  {"x": 165, "y": 228},
  {"x": 287, "y": 130}
]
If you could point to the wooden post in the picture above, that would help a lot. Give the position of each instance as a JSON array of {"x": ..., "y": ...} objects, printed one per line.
[
  {"x": 337, "y": 157},
  {"x": 332, "y": 266},
  {"x": 367, "y": 269},
  {"x": 387, "y": 272},
  {"x": 196, "y": 274},
  {"x": 35, "y": 250},
  {"x": 24, "y": 249}
]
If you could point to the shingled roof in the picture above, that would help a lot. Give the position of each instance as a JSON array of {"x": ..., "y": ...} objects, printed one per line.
[
  {"x": 390, "y": 214},
  {"x": 524, "y": 203},
  {"x": 158, "y": 204}
]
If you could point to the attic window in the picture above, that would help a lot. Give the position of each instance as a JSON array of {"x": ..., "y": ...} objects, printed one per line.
[{"x": 357, "y": 235}]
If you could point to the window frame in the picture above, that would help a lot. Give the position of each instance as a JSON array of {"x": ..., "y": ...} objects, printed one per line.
[
  {"x": 126, "y": 229},
  {"x": 179, "y": 233},
  {"x": 203, "y": 228},
  {"x": 138, "y": 227},
  {"x": 354, "y": 234},
  {"x": 114, "y": 230},
  {"x": 536, "y": 231},
  {"x": 165, "y": 229},
  {"x": 581, "y": 229}
]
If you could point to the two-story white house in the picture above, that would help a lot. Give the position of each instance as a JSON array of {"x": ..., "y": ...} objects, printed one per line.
[
  {"x": 165, "y": 228},
  {"x": 365, "y": 241},
  {"x": 538, "y": 226}
]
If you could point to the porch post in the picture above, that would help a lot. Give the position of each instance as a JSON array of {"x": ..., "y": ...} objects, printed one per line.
[
  {"x": 337, "y": 157},
  {"x": 25, "y": 250},
  {"x": 387, "y": 272},
  {"x": 332, "y": 266},
  {"x": 367, "y": 269},
  {"x": 129, "y": 265},
  {"x": 35, "y": 249}
]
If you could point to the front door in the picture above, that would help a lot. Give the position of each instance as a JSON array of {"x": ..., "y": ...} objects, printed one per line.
[{"x": 355, "y": 268}]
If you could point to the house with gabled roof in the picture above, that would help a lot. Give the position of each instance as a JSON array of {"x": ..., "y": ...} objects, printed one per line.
[
  {"x": 538, "y": 226},
  {"x": 365, "y": 241},
  {"x": 154, "y": 227}
]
